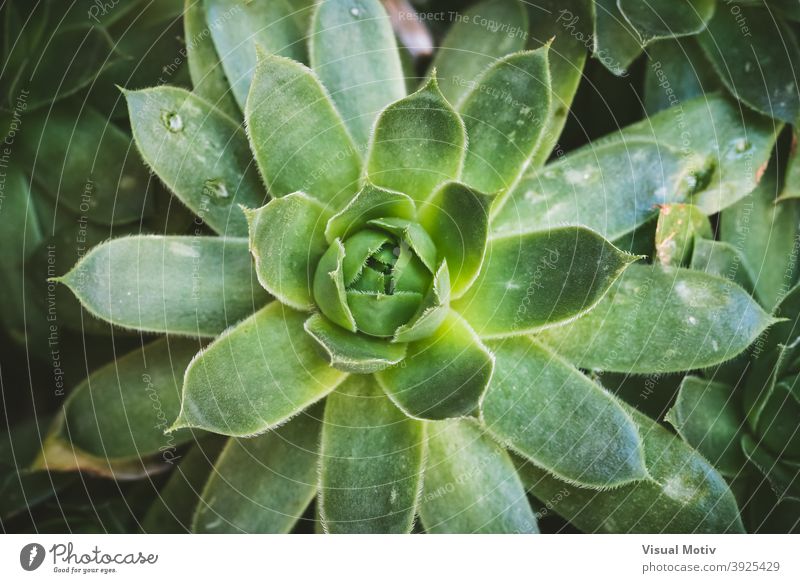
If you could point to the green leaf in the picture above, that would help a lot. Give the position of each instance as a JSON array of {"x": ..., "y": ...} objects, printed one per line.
[
  {"x": 684, "y": 495},
  {"x": 353, "y": 352},
  {"x": 784, "y": 478},
  {"x": 256, "y": 376},
  {"x": 615, "y": 43},
  {"x": 537, "y": 280},
  {"x": 329, "y": 291},
  {"x": 505, "y": 113},
  {"x": 287, "y": 241},
  {"x": 193, "y": 286},
  {"x": 488, "y": 31},
  {"x": 760, "y": 228},
  {"x": 199, "y": 152},
  {"x": 443, "y": 375},
  {"x": 611, "y": 188},
  {"x": 370, "y": 203},
  {"x": 666, "y": 18},
  {"x": 678, "y": 227},
  {"x": 84, "y": 163},
  {"x": 53, "y": 58},
  {"x": 20, "y": 234},
  {"x": 707, "y": 417},
  {"x": 205, "y": 68},
  {"x": 418, "y": 143},
  {"x": 471, "y": 485},
  {"x": 432, "y": 310},
  {"x": 238, "y": 28},
  {"x": 122, "y": 410},
  {"x": 59, "y": 455},
  {"x": 262, "y": 484},
  {"x": 723, "y": 260},
  {"x": 540, "y": 406},
  {"x": 734, "y": 145},
  {"x": 21, "y": 488},
  {"x": 354, "y": 52},
  {"x": 659, "y": 320},
  {"x": 676, "y": 72},
  {"x": 457, "y": 218},
  {"x": 371, "y": 462},
  {"x": 173, "y": 508},
  {"x": 413, "y": 235},
  {"x": 549, "y": 20},
  {"x": 755, "y": 54},
  {"x": 298, "y": 138}
]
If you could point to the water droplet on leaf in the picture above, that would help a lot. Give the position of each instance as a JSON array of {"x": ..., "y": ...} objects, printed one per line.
[
  {"x": 172, "y": 121},
  {"x": 216, "y": 190}
]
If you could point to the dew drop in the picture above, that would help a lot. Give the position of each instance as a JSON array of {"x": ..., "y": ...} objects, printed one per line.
[
  {"x": 172, "y": 121},
  {"x": 216, "y": 190}
]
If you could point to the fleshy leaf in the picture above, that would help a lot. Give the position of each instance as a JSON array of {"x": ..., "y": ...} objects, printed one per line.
[
  {"x": 505, "y": 114},
  {"x": 549, "y": 20},
  {"x": 684, "y": 495},
  {"x": 173, "y": 508},
  {"x": 20, "y": 234},
  {"x": 262, "y": 484},
  {"x": 432, "y": 311},
  {"x": 370, "y": 203},
  {"x": 615, "y": 43},
  {"x": 701, "y": 320},
  {"x": 471, "y": 485},
  {"x": 457, "y": 218},
  {"x": 760, "y": 228},
  {"x": 548, "y": 411},
  {"x": 443, "y": 375},
  {"x": 413, "y": 235},
  {"x": 59, "y": 455},
  {"x": 676, "y": 73},
  {"x": 487, "y": 31},
  {"x": 238, "y": 28},
  {"x": 418, "y": 143},
  {"x": 122, "y": 409},
  {"x": 256, "y": 376},
  {"x": 354, "y": 52},
  {"x": 287, "y": 241},
  {"x": 205, "y": 68},
  {"x": 723, "y": 260},
  {"x": 784, "y": 478},
  {"x": 329, "y": 291},
  {"x": 706, "y": 416},
  {"x": 298, "y": 138},
  {"x": 83, "y": 162},
  {"x": 371, "y": 462},
  {"x": 199, "y": 152},
  {"x": 757, "y": 67},
  {"x": 733, "y": 143},
  {"x": 537, "y": 280},
  {"x": 353, "y": 352},
  {"x": 666, "y": 18},
  {"x": 678, "y": 226},
  {"x": 22, "y": 488},
  {"x": 611, "y": 188},
  {"x": 193, "y": 286}
]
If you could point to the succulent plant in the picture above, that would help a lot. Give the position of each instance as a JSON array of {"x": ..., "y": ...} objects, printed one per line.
[
  {"x": 422, "y": 314},
  {"x": 383, "y": 297},
  {"x": 742, "y": 416}
]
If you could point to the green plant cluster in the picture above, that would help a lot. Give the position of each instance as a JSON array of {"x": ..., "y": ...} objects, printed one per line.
[{"x": 310, "y": 278}]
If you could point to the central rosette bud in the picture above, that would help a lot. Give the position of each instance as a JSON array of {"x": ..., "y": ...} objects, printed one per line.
[{"x": 374, "y": 280}]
